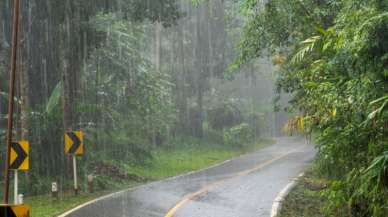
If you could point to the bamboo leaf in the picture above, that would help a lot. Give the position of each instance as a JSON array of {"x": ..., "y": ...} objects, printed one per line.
[{"x": 308, "y": 46}]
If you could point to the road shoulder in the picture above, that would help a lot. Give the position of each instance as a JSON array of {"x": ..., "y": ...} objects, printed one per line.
[{"x": 305, "y": 199}]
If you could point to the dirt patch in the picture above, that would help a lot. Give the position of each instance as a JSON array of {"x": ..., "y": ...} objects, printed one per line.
[{"x": 101, "y": 168}]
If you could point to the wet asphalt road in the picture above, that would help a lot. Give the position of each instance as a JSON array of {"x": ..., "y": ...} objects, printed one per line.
[{"x": 245, "y": 186}]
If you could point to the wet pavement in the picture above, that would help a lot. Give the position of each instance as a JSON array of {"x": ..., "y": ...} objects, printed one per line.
[{"x": 245, "y": 186}]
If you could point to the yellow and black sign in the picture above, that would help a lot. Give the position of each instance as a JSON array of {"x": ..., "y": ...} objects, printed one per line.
[
  {"x": 74, "y": 143},
  {"x": 19, "y": 156},
  {"x": 14, "y": 211}
]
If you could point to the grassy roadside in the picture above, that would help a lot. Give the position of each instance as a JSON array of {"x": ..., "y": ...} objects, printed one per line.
[
  {"x": 305, "y": 198},
  {"x": 166, "y": 162},
  {"x": 176, "y": 160},
  {"x": 45, "y": 206}
]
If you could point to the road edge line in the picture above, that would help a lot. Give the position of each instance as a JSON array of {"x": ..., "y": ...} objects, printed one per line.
[
  {"x": 205, "y": 189},
  {"x": 140, "y": 186},
  {"x": 278, "y": 202},
  {"x": 68, "y": 212}
]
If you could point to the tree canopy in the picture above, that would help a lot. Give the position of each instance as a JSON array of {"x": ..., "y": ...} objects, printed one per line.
[{"x": 332, "y": 59}]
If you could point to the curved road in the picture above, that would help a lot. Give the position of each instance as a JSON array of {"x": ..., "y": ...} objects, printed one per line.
[{"x": 245, "y": 186}]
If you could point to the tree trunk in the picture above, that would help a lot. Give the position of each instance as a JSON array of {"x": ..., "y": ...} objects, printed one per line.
[
  {"x": 181, "y": 80},
  {"x": 23, "y": 81},
  {"x": 158, "y": 45},
  {"x": 72, "y": 62}
]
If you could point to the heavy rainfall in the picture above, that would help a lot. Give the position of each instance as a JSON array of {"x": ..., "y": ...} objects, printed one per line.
[{"x": 188, "y": 108}]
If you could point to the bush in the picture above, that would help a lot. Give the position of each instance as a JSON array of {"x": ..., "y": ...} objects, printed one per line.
[
  {"x": 224, "y": 116},
  {"x": 241, "y": 134}
]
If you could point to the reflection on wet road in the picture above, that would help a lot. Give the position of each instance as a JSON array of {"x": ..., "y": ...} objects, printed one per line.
[{"x": 242, "y": 187}]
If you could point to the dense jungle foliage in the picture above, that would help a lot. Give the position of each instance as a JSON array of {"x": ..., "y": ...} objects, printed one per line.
[
  {"x": 332, "y": 59},
  {"x": 136, "y": 76}
]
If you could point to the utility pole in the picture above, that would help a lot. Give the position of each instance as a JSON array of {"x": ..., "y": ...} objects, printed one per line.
[{"x": 11, "y": 93}]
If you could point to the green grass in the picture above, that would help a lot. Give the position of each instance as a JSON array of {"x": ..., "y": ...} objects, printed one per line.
[
  {"x": 166, "y": 162},
  {"x": 182, "y": 159},
  {"x": 46, "y": 206},
  {"x": 305, "y": 199}
]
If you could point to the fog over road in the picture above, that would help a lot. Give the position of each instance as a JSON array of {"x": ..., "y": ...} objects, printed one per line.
[{"x": 242, "y": 187}]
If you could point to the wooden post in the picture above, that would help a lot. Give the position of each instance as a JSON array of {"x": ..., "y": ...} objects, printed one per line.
[
  {"x": 90, "y": 183},
  {"x": 11, "y": 93}
]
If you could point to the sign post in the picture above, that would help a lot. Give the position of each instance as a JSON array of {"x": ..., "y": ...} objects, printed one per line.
[
  {"x": 15, "y": 190},
  {"x": 75, "y": 174},
  {"x": 75, "y": 147}
]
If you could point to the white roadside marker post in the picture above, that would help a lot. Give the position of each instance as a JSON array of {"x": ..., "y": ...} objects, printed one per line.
[
  {"x": 20, "y": 198},
  {"x": 54, "y": 190}
]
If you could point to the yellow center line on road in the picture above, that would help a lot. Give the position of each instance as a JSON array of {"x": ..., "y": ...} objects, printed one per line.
[{"x": 207, "y": 188}]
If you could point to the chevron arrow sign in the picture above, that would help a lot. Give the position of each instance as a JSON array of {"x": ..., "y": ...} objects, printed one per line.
[
  {"x": 19, "y": 156},
  {"x": 74, "y": 143},
  {"x": 14, "y": 210}
]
